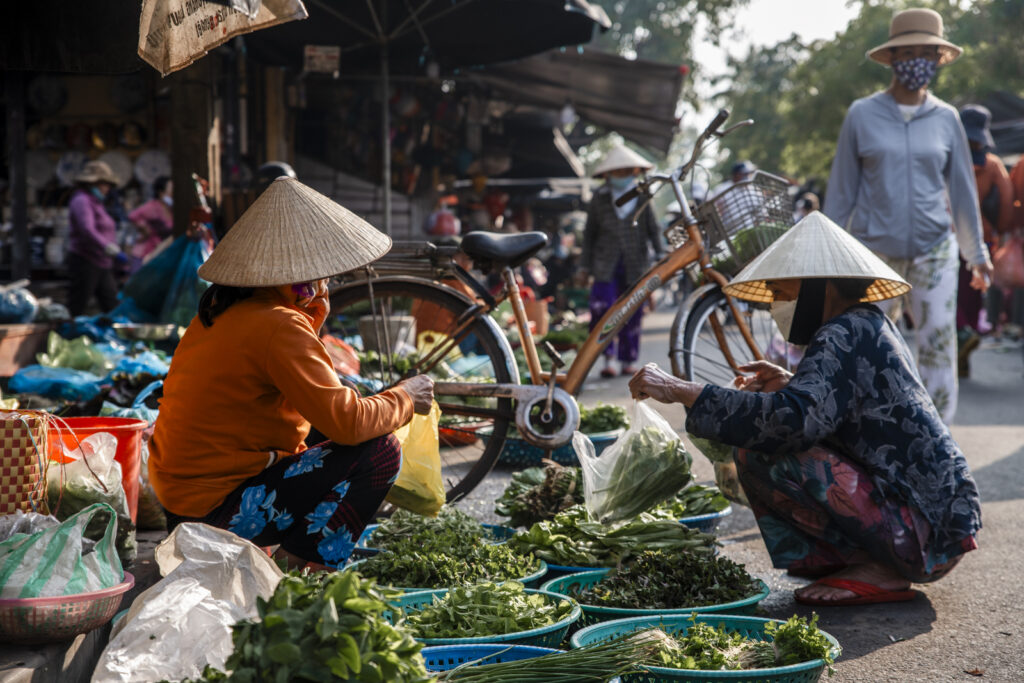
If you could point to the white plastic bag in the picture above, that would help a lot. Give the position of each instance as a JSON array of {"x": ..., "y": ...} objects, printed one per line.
[
  {"x": 183, "y": 623},
  {"x": 645, "y": 466},
  {"x": 92, "y": 476}
]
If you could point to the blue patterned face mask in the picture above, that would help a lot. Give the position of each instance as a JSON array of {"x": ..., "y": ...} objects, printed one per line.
[
  {"x": 916, "y": 73},
  {"x": 621, "y": 184}
]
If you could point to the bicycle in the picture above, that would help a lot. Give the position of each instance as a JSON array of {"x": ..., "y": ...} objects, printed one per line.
[{"x": 416, "y": 312}]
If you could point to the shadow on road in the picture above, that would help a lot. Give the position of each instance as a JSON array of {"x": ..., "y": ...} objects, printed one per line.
[{"x": 1001, "y": 480}]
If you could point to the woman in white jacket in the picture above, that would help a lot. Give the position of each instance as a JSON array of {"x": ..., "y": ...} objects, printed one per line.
[{"x": 902, "y": 182}]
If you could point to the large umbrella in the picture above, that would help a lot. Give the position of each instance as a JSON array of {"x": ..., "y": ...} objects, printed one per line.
[{"x": 427, "y": 37}]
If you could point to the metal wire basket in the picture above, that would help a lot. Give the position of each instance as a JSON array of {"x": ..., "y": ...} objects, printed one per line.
[{"x": 742, "y": 221}]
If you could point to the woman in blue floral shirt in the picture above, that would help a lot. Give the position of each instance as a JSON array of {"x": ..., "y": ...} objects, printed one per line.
[{"x": 850, "y": 471}]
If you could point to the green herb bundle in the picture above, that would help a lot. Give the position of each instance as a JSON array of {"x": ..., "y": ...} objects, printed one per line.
[
  {"x": 695, "y": 500},
  {"x": 450, "y": 522},
  {"x": 602, "y": 418},
  {"x": 648, "y": 469},
  {"x": 572, "y": 539},
  {"x": 334, "y": 630},
  {"x": 444, "y": 562},
  {"x": 707, "y": 648},
  {"x": 659, "y": 580},
  {"x": 539, "y": 493},
  {"x": 486, "y": 609}
]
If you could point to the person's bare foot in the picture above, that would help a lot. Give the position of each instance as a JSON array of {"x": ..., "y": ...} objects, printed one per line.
[{"x": 870, "y": 572}]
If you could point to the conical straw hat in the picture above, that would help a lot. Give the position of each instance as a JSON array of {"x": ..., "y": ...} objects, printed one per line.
[
  {"x": 621, "y": 157},
  {"x": 290, "y": 234},
  {"x": 816, "y": 248}
]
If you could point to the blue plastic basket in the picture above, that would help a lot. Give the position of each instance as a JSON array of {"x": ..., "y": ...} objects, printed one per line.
[
  {"x": 594, "y": 614},
  {"x": 750, "y": 627},
  {"x": 518, "y": 453},
  {"x": 498, "y": 535},
  {"x": 530, "y": 580},
  {"x": 448, "y": 657},
  {"x": 543, "y": 636},
  {"x": 706, "y": 523}
]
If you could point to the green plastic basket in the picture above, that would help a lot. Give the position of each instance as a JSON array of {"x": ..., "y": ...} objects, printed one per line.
[
  {"x": 543, "y": 636},
  {"x": 594, "y": 614},
  {"x": 750, "y": 627},
  {"x": 530, "y": 580}
]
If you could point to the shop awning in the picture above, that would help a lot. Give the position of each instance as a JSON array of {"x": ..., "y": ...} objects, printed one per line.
[{"x": 636, "y": 98}]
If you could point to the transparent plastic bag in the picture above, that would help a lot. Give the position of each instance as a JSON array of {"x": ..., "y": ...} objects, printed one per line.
[{"x": 648, "y": 464}]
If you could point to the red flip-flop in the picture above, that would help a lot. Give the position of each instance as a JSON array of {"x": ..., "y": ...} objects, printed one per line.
[
  {"x": 608, "y": 372},
  {"x": 864, "y": 593}
]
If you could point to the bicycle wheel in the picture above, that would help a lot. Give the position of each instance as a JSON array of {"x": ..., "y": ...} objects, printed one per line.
[
  {"x": 394, "y": 331},
  {"x": 703, "y": 357}
]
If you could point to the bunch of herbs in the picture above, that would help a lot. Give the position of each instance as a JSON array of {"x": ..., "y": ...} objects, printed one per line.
[
  {"x": 450, "y": 522},
  {"x": 602, "y": 418},
  {"x": 539, "y": 493},
  {"x": 445, "y": 561}
]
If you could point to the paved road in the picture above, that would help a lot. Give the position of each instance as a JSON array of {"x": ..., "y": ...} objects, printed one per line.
[{"x": 973, "y": 620}]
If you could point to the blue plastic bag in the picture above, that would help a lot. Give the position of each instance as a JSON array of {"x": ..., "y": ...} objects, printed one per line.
[
  {"x": 17, "y": 306},
  {"x": 138, "y": 410},
  {"x": 146, "y": 362},
  {"x": 62, "y": 383},
  {"x": 148, "y": 287},
  {"x": 182, "y": 302}
]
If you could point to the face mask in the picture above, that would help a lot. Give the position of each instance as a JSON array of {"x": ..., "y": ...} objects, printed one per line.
[
  {"x": 978, "y": 157},
  {"x": 621, "y": 184},
  {"x": 168, "y": 200},
  {"x": 916, "y": 73},
  {"x": 782, "y": 313},
  {"x": 95, "y": 192}
]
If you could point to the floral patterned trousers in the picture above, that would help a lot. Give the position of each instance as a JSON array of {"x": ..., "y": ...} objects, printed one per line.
[
  {"x": 315, "y": 504},
  {"x": 932, "y": 303},
  {"x": 819, "y": 511}
]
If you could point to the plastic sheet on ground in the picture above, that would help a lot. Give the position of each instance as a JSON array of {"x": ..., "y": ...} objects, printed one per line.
[
  {"x": 183, "y": 623},
  {"x": 57, "y": 383}
]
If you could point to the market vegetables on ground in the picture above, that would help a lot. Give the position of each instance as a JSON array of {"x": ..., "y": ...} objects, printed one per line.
[
  {"x": 659, "y": 580},
  {"x": 444, "y": 562},
  {"x": 539, "y": 493},
  {"x": 409, "y": 525},
  {"x": 708, "y": 648},
  {"x": 486, "y": 609},
  {"x": 602, "y": 418},
  {"x": 643, "y": 468},
  {"x": 325, "y": 627},
  {"x": 572, "y": 539},
  {"x": 695, "y": 500}
]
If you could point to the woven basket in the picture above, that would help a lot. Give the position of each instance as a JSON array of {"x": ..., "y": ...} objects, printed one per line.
[
  {"x": 23, "y": 461},
  {"x": 44, "y": 620},
  {"x": 530, "y": 580},
  {"x": 750, "y": 627},
  {"x": 543, "y": 636},
  {"x": 594, "y": 614},
  {"x": 448, "y": 657}
]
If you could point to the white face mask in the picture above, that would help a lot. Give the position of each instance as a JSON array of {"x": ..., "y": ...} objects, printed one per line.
[{"x": 782, "y": 313}]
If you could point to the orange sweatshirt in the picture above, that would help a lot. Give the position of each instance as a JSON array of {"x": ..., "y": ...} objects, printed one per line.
[{"x": 248, "y": 385}]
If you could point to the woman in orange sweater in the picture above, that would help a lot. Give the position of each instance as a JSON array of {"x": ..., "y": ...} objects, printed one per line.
[{"x": 251, "y": 376}]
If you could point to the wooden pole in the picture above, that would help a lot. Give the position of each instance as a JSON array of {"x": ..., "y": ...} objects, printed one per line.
[
  {"x": 192, "y": 116},
  {"x": 21, "y": 254}
]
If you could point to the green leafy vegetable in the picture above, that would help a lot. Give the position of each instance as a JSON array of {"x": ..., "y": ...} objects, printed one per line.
[
  {"x": 715, "y": 451},
  {"x": 404, "y": 525},
  {"x": 539, "y": 493},
  {"x": 486, "y": 609},
  {"x": 602, "y": 418},
  {"x": 695, "y": 500},
  {"x": 446, "y": 561}
]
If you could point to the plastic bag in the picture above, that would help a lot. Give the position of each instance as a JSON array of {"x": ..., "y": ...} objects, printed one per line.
[
  {"x": 182, "y": 301},
  {"x": 17, "y": 304},
  {"x": 148, "y": 286},
  {"x": 92, "y": 476},
  {"x": 648, "y": 464},
  {"x": 26, "y": 523},
  {"x": 62, "y": 383},
  {"x": 146, "y": 362},
  {"x": 52, "y": 561},
  {"x": 419, "y": 487},
  {"x": 78, "y": 354},
  {"x": 180, "y": 625},
  {"x": 138, "y": 409},
  {"x": 1008, "y": 261}
]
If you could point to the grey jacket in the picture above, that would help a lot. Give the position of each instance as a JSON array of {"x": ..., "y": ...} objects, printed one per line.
[
  {"x": 608, "y": 238},
  {"x": 900, "y": 186}
]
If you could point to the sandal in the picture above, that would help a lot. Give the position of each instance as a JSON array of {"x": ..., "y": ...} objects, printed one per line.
[
  {"x": 864, "y": 594},
  {"x": 608, "y": 372}
]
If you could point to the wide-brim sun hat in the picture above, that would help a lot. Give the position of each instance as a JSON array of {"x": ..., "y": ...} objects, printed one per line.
[
  {"x": 291, "y": 234},
  {"x": 96, "y": 172},
  {"x": 915, "y": 27},
  {"x": 619, "y": 158},
  {"x": 816, "y": 248}
]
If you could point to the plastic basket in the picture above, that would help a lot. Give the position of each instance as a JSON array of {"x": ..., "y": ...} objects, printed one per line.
[
  {"x": 593, "y": 614},
  {"x": 559, "y": 570},
  {"x": 706, "y": 523},
  {"x": 530, "y": 580},
  {"x": 499, "y": 535},
  {"x": 44, "y": 620},
  {"x": 750, "y": 627},
  {"x": 543, "y": 636},
  {"x": 741, "y": 222},
  {"x": 518, "y": 453},
  {"x": 448, "y": 657}
]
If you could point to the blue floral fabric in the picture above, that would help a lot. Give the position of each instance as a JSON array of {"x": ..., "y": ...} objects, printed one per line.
[{"x": 856, "y": 391}]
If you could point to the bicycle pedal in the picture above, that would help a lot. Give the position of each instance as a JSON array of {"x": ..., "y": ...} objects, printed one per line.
[{"x": 556, "y": 358}]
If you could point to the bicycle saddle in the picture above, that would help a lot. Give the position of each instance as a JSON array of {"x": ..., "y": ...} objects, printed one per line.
[{"x": 503, "y": 249}]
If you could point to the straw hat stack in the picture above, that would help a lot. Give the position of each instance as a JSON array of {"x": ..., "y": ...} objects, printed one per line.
[
  {"x": 292, "y": 234},
  {"x": 816, "y": 248}
]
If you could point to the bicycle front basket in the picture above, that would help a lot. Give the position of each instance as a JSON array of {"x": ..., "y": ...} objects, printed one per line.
[{"x": 742, "y": 221}]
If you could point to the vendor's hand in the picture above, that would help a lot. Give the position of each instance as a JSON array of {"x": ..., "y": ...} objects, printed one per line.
[
  {"x": 650, "y": 381},
  {"x": 767, "y": 377},
  {"x": 421, "y": 390},
  {"x": 319, "y": 305},
  {"x": 981, "y": 276}
]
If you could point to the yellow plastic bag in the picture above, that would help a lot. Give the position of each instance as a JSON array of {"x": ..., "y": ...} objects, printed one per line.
[{"x": 419, "y": 487}]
